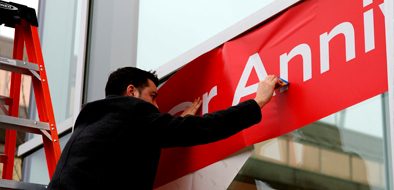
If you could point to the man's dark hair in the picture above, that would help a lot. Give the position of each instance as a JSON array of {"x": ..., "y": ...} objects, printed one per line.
[{"x": 122, "y": 77}]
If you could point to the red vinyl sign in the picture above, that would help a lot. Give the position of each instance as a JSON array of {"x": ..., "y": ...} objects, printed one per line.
[{"x": 333, "y": 53}]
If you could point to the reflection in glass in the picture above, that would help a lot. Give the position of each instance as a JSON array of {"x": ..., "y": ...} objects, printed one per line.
[
  {"x": 60, "y": 43},
  {"x": 343, "y": 151},
  {"x": 169, "y": 28},
  {"x": 37, "y": 171}
]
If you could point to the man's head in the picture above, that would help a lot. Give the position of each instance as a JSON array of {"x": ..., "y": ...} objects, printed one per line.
[{"x": 130, "y": 81}]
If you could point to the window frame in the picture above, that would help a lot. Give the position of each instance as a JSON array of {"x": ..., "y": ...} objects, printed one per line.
[{"x": 389, "y": 19}]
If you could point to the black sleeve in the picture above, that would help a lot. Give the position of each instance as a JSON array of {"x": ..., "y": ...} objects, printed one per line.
[{"x": 172, "y": 131}]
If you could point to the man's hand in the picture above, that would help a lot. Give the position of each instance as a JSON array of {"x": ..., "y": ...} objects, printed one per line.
[
  {"x": 192, "y": 109},
  {"x": 265, "y": 90}
]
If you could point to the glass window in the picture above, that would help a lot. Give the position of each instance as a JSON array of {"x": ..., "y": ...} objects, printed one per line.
[
  {"x": 60, "y": 41},
  {"x": 169, "y": 28},
  {"x": 356, "y": 118},
  {"x": 36, "y": 167},
  {"x": 345, "y": 150}
]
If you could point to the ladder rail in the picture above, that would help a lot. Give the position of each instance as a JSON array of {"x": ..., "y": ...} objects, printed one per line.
[{"x": 43, "y": 98}]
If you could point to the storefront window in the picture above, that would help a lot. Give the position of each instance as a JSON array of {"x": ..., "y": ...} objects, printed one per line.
[{"x": 345, "y": 150}]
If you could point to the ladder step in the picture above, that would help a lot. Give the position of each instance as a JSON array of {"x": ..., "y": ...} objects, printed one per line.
[
  {"x": 4, "y": 100},
  {"x": 10, "y": 184},
  {"x": 18, "y": 66},
  {"x": 20, "y": 124}
]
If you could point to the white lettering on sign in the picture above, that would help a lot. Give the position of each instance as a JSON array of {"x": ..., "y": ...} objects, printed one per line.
[
  {"x": 304, "y": 50},
  {"x": 369, "y": 27},
  {"x": 345, "y": 28},
  {"x": 207, "y": 97},
  {"x": 254, "y": 62},
  {"x": 180, "y": 107}
]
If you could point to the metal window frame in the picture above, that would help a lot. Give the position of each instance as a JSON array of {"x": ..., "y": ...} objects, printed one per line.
[{"x": 389, "y": 111}]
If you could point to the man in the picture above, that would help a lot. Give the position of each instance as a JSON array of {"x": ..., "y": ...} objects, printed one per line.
[{"x": 128, "y": 122}]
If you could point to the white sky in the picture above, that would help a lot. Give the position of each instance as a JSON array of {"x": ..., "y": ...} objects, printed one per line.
[{"x": 9, "y": 32}]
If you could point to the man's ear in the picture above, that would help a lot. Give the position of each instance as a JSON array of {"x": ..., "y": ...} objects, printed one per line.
[{"x": 131, "y": 90}]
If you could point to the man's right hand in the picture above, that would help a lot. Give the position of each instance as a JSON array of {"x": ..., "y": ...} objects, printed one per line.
[{"x": 265, "y": 90}]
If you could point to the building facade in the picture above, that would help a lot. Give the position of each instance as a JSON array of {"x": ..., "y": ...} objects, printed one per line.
[{"x": 83, "y": 41}]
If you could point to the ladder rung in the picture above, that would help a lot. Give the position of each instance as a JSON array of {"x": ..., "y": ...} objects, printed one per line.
[
  {"x": 20, "y": 124},
  {"x": 19, "y": 66},
  {"x": 5, "y": 100},
  {"x": 11, "y": 184}
]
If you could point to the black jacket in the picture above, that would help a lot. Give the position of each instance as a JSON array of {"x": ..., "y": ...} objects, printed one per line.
[{"x": 107, "y": 131}]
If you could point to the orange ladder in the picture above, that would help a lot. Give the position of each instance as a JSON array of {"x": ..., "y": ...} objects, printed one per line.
[{"x": 24, "y": 20}]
